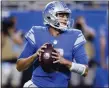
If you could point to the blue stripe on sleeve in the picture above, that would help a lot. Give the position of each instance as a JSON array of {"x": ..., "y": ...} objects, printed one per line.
[{"x": 80, "y": 55}]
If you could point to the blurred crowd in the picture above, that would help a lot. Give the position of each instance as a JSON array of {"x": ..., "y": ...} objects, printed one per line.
[
  {"x": 12, "y": 42},
  {"x": 98, "y": 72},
  {"x": 39, "y": 5}
]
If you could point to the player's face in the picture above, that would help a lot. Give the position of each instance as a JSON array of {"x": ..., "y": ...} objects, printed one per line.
[{"x": 63, "y": 18}]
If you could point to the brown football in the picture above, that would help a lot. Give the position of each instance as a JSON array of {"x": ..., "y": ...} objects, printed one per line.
[{"x": 46, "y": 59}]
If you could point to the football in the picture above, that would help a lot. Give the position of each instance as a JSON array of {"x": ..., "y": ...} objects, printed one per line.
[{"x": 46, "y": 59}]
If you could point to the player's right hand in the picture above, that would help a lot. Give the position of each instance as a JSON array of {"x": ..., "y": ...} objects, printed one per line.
[{"x": 40, "y": 51}]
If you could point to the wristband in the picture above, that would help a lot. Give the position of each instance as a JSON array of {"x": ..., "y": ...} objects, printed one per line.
[{"x": 78, "y": 68}]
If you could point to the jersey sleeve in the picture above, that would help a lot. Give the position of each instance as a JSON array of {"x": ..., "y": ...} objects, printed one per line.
[
  {"x": 79, "y": 52},
  {"x": 80, "y": 55},
  {"x": 80, "y": 40},
  {"x": 27, "y": 51},
  {"x": 30, "y": 37}
]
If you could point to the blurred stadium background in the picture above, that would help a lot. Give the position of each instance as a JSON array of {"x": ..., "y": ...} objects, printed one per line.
[{"x": 18, "y": 16}]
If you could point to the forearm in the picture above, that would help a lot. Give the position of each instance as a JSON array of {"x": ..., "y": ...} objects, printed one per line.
[
  {"x": 24, "y": 63},
  {"x": 78, "y": 68}
]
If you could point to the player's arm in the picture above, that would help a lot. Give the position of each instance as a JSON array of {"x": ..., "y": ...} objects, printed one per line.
[
  {"x": 80, "y": 66},
  {"x": 25, "y": 63},
  {"x": 28, "y": 56},
  {"x": 81, "y": 61},
  {"x": 30, "y": 52}
]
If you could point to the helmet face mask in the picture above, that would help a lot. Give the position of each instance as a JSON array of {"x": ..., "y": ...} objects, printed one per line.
[{"x": 51, "y": 18}]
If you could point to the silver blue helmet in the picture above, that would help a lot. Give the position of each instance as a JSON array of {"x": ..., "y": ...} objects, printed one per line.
[{"x": 50, "y": 11}]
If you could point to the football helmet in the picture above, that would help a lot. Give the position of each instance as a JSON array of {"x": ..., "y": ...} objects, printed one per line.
[{"x": 50, "y": 11}]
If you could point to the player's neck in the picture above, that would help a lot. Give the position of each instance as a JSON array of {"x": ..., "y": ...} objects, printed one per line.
[{"x": 53, "y": 32}]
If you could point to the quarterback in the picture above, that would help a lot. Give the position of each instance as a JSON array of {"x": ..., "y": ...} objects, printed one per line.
[{"x": 68, "y": 43}]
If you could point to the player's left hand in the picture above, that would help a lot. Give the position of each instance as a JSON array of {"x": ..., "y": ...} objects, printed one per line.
[{"x": 58, "y": 58}]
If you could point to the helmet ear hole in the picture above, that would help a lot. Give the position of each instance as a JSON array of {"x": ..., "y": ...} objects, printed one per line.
[{"x": 48, "y": 17}]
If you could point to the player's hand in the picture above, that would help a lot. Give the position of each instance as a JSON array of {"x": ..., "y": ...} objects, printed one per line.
[
  {"x": 58, "y": 58},
  {"x": 40, "y": 51}
]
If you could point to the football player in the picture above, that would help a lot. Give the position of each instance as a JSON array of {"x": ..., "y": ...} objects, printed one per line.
[{"x": 68, "y": 44}]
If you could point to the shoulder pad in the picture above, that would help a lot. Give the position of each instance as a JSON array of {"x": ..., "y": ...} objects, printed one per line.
[
  {"x": 76, "y": 30},
  {"x": 38, "y": 28}
]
